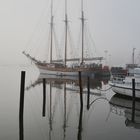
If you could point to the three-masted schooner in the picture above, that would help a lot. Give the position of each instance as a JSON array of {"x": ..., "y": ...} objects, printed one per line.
[{"x": 59, "y": 67}]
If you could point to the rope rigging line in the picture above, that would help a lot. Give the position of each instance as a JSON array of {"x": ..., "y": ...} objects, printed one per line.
[
  {"x": 92, "y": 40},
  {"x": 89, "y": 51},
  {"x": 36, "y": 27},
  {"x": 79, "y": 42},
  {"x": 38, "y": 42},
  {"x": 62, "y": 43},
  {"x": 38, "y": 37},
  {"x": 56, "y": 45},
  {"x": 71, "y": 42},
  {"x": 48, "y": 48},
  {"x": 41, "y": 44}
]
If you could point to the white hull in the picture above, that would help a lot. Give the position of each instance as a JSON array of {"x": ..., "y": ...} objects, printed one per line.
[
  {"x": 64, "y": 71},
  {"x": 57, "y": 73},
  {"x": 125, "y": 89}
]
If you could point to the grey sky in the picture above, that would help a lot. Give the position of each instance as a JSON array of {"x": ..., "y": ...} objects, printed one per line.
[{"x": 114, "y": 25}]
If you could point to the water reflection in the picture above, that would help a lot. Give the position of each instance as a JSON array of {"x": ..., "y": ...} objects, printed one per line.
[
  {"x": 21, "y": 126},
  {"x": 44, "y": 98},
  {"x": 79, "y": 136},
  {"x": 50, "y": 103},
  {"x": 127, "y": 107},
  {"x": 59, "y": 81}
]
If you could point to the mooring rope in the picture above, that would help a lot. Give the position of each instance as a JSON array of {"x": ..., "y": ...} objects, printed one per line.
[
  {"x": 104, "y": 98},
  {"x": 104, "y": 90}
]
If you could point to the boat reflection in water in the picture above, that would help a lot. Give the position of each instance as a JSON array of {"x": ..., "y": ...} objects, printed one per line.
[
  {"x": 126, "y": 106},
  {"x": 63, "y": 104},
  {"x": 59, "y": 81}
]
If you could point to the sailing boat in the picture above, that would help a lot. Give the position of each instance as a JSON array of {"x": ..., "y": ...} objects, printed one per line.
[{"x": 59, "y": 67}]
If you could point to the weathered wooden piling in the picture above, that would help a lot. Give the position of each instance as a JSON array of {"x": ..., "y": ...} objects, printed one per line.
[
  {"x": 79, "y": 136},
  {"x": 22, "y": 86},
  {"x": 133, "y": 100},
  {"x": 21, "y": 107},
  {"x": 133, "y": 88},
  {"x": 88, "y": 93},
  {"x": 44, "y": 98}
]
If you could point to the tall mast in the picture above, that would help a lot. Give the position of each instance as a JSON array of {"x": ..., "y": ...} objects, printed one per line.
[
  {"x": 133, "y": 57},
  {"x": 83, "y": 22},
  {"x": 66, "y": 32},
  {"x": 51, "y": 45}
]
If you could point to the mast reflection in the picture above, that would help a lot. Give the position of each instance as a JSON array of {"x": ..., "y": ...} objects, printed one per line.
[
  {"x": 50, "y": 116},
  {"x": 53, "y": 101},
  {"x": 79, "y": 136},
  {"x": 65, "y": 107},
  {"x": 59, "y": 81},
  {"x": 21, "y": 124},
  {"x": 44, "y": 98}
]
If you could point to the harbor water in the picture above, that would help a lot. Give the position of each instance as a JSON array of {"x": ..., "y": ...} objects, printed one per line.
[{"x": 57, "y": 112}]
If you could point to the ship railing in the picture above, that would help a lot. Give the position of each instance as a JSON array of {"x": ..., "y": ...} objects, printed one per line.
[
  {"x": 117, "y": 80},
  {"x": 78, "y": 59}
]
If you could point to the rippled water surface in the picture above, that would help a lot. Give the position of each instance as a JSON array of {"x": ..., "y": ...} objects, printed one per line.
[{"x": 58, "y": 113}]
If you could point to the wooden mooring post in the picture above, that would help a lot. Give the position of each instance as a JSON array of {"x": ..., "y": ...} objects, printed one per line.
[
  {"x": 21, "y": 107},
  {"x": 88, "y": 93},
  {"x": 133, "y": 100},
  {"x": 79, "y": 136},
  {"x": 44, "y": 98}
]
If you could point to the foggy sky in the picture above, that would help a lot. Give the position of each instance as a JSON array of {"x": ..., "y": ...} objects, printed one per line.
[{"x": 114, "y": 25}]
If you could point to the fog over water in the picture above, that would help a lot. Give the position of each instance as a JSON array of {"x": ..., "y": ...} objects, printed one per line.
[
  {"x": 113, "y": 24},
  {"x": 108, "y": 117}
]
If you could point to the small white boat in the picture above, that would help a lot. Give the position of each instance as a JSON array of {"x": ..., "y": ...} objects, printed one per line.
[{"x": 124, "y": 85}]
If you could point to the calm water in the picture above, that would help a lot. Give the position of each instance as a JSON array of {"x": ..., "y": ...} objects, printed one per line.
[{"x": 62, "y": 117}]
